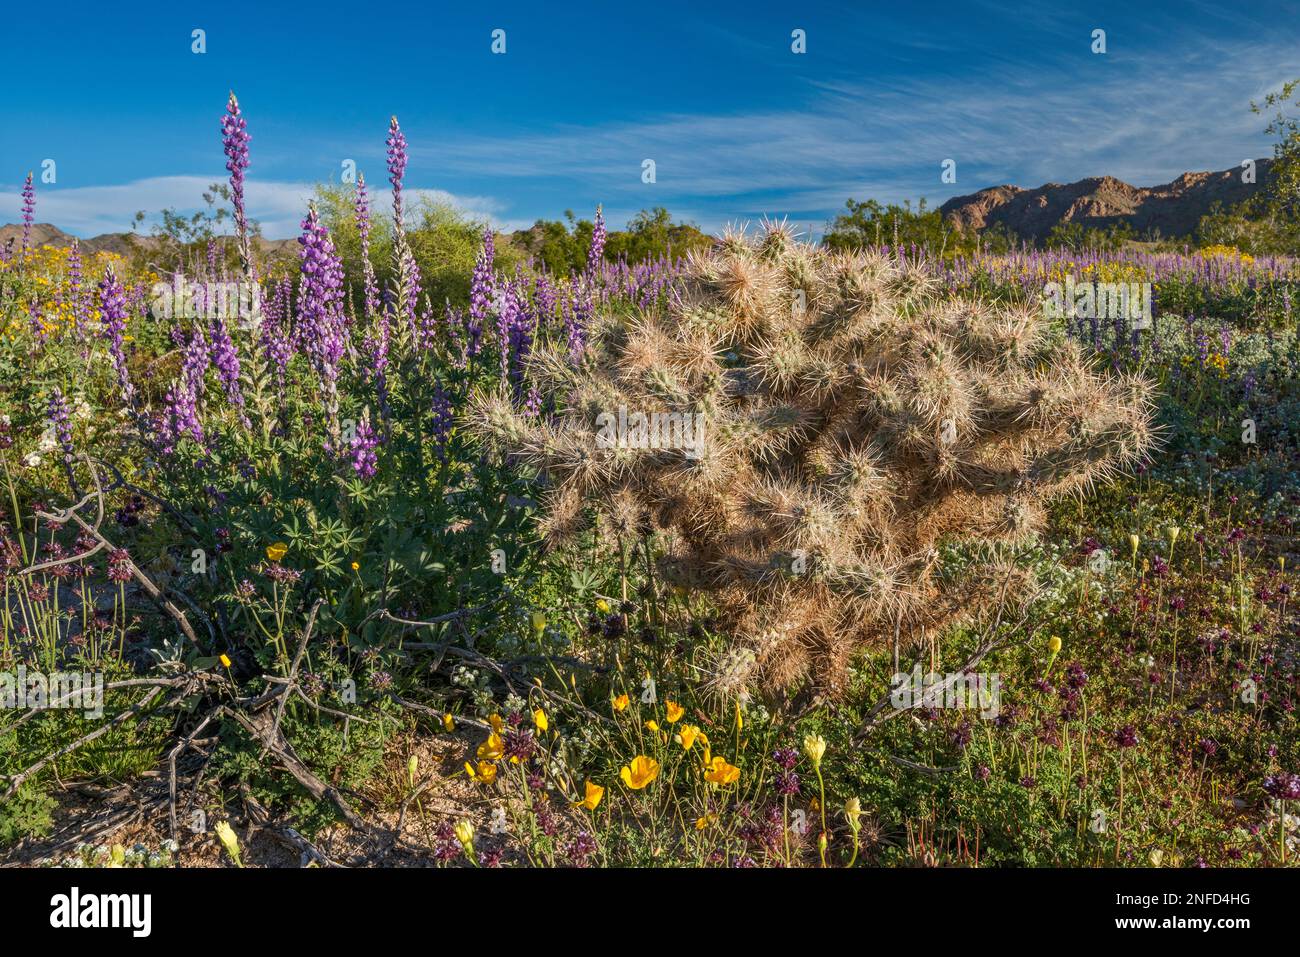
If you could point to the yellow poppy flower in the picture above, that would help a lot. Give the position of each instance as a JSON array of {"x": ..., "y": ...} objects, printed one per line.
[
  {"x": 448, "y": 722},
  {"x": 277, "y": 551},
  {"x": 675, "y": 711},
  {"x": 593, "y": 794},
  {"x": 720, "y": 772},
  {"x": 687, "y": 736},
  {"x": 539, "y": 719},
  {"x": 492, "y": 748},
  {"x": 702, "y": 822},
  {"x": 621, "y": 702},
  {"x": 356, "y": 566},
  {"x": 640, "y": 772},
  {"x": 1054, "y": 644},
  {"x": 497, "y": 724},
  {"x": 652, "y": 725},
  {"x": 602, "y": 606},
  {"x": 225, "y": 661},
  {"x": 485, "y": 773}
]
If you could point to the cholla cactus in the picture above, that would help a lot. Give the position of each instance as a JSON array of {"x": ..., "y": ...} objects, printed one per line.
[{"x": 853, "y": 417}]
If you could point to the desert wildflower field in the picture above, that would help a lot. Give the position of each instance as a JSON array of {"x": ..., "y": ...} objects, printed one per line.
[{"x": 398, "y": 546}]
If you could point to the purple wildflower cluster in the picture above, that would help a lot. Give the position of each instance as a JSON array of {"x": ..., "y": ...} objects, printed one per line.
[
  {"x": 112, "y": 308},
  {"x": 364, "y": 443},
  {"x": 321, "y": 329},
  {"x": 225, "y": 358},
  {"x": 29, "y": 207},
  {"x": 596, "y": 252},
  {"x": 444, "y": 417},
  {"x": 62, "y": 421},
  {"x": 181, "y": 405},
  {"x": 234, "y": 138},
  {"x": 482, "y": 294}
]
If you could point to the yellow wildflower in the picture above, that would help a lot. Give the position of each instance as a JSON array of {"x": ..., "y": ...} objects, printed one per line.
[
  {"x": 539, "y": 719},
  {"x": 465, "y": 834},
  {"x": 486, "y": 772},
  {"x": 720, "y": 772},
  {"x": 675, "y": 711},
  {"x": 592, "y": 795},
  {"x": 814, "y": 745},
  {"x": 621, "y": 702},
  {"x": 277, "y": 551},
  {"x": 687, "y": 736},
  {"x": 492, "y": 748},
  {"x": 640, "y": 772}
]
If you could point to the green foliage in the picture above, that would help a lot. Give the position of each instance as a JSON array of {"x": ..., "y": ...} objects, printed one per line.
[
  {"x": 652, "y": 234},
  {"x": 869, "y": 223},
  {"x": 1076, "y": 236},
  {"x": 29, "y": 813}
]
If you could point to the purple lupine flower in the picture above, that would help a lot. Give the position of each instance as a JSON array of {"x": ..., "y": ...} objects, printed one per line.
[
  {"x": 444, "y": 418},
  {"x": 376, "y": 319},
  {"x": 226, "y": 360},
  {"x": 544, "y": 297},
  {"x": 481, "y": 293},
  {"x": 112, "y": 307},
  {"x": 212, "y": 273},
  {"x": 576, "y": 313},
  {"x": 76, "y": 289},
  {"x": 507, "y": 310},
  {"x": 234, "y": 139},
  {"x": 321, "y": 324},
  {"x": 181, "y": 404},
  {"x": 596, "y": 252},
  {"x": 36, "y": 320},
  {"x": 396, "y": 169},
  {"x": 29, "y": 207},
  {"x": 364, "y": 443},
  {"x": 275, "y": 342},
  {"x": 361, "y": 205},
  {"x": 533, "y": 404},
  {"x": 408, "y": 271},
  {"x": 62, "y": 421}
]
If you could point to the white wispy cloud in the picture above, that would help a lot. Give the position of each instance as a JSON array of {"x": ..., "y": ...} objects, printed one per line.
[{"x": 1143, "y": 120}]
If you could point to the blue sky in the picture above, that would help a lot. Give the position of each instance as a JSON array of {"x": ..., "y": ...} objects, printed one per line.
[{"x": 738, "y": 125}]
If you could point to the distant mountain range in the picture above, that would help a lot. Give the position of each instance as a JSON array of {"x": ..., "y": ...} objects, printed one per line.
[
  {"x": 44, "y": 234},
  {"x": 1174, "y": 208}
]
